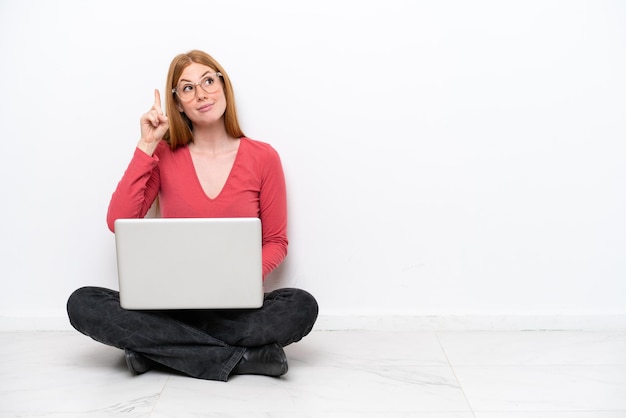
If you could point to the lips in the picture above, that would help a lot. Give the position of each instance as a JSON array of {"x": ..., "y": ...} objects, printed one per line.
[{"x": 205, "y": 108}]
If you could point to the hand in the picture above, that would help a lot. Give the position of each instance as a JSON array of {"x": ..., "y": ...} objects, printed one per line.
[{"x": 154, "y": 125}]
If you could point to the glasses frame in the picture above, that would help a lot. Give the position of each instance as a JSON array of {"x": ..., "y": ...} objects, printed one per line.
[{"x": 195, "y": 86}]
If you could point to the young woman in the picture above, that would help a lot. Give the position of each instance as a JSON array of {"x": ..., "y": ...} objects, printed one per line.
[{"x": 198, "y": 163}]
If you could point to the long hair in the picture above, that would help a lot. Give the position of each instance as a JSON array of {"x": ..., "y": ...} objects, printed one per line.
[{"x": 180, "y": 131}]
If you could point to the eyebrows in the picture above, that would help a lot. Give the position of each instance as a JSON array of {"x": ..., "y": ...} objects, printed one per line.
[{"x": 182, "y": 80}]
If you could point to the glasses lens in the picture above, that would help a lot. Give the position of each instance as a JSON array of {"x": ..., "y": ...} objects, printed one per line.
[
  {"x": 187, "y": 91},
  {"x": 210, "y": 83}
]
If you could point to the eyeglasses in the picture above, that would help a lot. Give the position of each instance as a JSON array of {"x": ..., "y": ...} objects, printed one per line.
[{"x": 187, "y": 91}]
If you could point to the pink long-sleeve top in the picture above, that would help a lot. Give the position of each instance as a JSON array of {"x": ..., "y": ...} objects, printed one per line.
[{"x": 255, "y": 188}]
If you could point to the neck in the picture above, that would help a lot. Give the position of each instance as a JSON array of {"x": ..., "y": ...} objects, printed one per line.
[{"x": 213, "y": 136}]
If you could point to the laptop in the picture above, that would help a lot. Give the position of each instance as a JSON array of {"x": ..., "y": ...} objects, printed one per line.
[{"x": 189, "y": 263}]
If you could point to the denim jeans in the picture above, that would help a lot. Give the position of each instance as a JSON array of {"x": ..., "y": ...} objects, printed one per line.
[{"x": 206, "y": 344}]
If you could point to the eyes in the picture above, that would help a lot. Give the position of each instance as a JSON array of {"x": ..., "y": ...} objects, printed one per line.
[
  {"x": 187, "y": 91},
  {"x": 206, "y": 82}
]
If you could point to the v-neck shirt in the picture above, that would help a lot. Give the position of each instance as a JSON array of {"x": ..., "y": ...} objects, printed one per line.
[{"x": 255, "y": 187}]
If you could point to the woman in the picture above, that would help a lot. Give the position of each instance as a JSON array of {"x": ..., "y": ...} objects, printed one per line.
[{"x": 198, "y": 162}]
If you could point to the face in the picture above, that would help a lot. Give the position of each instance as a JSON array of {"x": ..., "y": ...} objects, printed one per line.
[{"x": 205, "y": 108}]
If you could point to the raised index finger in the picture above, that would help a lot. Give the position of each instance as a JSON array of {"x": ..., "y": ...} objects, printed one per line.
[{"x": 157, "y": 100}]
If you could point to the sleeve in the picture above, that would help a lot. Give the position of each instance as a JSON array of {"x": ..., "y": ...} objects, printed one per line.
[
  {"x": 137, "y": 189},
  {"x": 273, "y": 212}
]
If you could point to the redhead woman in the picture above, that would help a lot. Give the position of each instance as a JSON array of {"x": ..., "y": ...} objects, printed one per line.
[{"x": 196, "y": 160}]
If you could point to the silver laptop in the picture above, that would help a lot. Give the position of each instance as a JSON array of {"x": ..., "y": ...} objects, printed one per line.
[{"x": 189, "y": 263}]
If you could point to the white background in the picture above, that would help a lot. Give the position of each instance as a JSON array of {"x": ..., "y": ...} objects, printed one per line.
[{"x": 442, "y": 157}]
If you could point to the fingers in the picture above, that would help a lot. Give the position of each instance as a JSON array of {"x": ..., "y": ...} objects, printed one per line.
[
  {"x": 163, "y": 119},
  {"x": 153, "y": 118},
  {"x": 156, "y": 119},
  {"x": 157, "y": 101},
  {"x": 155, "y": 115},
  {"x": 154, "y": 124}
]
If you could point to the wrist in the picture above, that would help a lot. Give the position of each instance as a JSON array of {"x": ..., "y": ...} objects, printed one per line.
[{"x": 147, "y": 147}]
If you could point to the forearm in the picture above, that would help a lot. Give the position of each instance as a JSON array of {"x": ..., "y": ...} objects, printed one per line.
[
  {"x": 273, "y": 255},
  {"x": 136, "y": 191}
]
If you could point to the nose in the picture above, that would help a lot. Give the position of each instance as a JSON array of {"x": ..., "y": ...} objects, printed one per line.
[{"x": 199, "y": 92}]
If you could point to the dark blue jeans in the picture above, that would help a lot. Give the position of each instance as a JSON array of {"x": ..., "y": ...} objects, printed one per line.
[{"x": 206, "y": 344}]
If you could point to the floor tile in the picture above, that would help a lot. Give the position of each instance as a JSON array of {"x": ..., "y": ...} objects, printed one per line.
[
  {"x": 358, "y": 414},
  {"x": 534, "y": 348},
  {"x": 101, "y": 391},
  {"x": 377, "y": 348},
  {"x": 553, "y": 414},
  {"x": 544, "y": 388},
  {"x": 339, "y": 374},
  {"x": 69, "y": 375},
  {"x": 320, "y": 390}
]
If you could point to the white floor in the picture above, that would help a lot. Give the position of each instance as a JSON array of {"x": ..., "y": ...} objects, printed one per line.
[{"x": 334, "y": 374}]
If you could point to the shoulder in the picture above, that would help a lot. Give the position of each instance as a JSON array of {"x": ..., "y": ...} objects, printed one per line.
[
  {"x": 163, "y": 151},
  {"x": 259, "y": 149}
]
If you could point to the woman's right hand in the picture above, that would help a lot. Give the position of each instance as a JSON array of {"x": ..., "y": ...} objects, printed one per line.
[{"x": 154, "y": 125}]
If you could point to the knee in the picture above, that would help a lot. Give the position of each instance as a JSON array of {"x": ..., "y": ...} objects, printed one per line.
[
  {"x": 79, "y": 299},
  {"x": 73, "y": 307},
  {"x": 83, "y": 304},
  {"x": 75, "y": 300},
  {"x": 308, "y": 302},
  {"x": 77, "y": 305},
  {"x": 303, "y": 303},
  {"x": 303, "y": 311}
]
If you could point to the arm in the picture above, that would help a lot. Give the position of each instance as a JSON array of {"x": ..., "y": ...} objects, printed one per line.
[
  {"x": 140, "y": 184},
  {"x": 137, "y": 189},
  {"x": 273, "y": 213}
]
